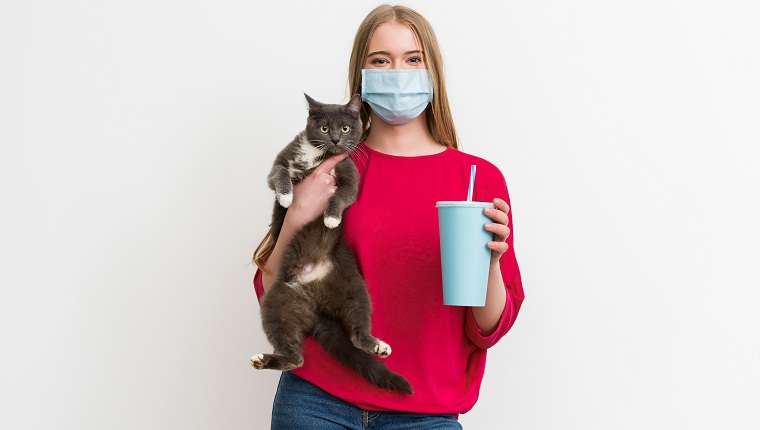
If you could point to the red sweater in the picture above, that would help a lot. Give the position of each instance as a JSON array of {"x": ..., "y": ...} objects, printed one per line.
[{"x": 392, "y": 229}]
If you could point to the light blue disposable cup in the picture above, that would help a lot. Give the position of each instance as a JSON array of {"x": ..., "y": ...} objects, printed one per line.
[{"x": 465, "y": 255}]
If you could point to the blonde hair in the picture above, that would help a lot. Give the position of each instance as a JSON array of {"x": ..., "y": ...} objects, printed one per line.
[{"x": 439, "y": 120}]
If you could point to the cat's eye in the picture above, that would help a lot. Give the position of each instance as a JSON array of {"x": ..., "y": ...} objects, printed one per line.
[
  {"x": 324, "y": 129},
  {"x": 345, "y": 129}
]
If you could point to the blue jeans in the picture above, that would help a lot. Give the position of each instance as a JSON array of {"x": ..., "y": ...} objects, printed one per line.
[{"x": 299, "y": 404}]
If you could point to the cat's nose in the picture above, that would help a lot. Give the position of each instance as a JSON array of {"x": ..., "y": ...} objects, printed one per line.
[{"x": 335, "y": 140}]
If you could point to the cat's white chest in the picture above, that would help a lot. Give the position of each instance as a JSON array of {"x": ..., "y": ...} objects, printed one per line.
[{"x": 306, "y": 157}]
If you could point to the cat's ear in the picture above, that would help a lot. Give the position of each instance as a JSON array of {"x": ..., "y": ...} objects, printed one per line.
[
  {"x": 313, "y": 104},
  {"x": 355, "y": 104}
]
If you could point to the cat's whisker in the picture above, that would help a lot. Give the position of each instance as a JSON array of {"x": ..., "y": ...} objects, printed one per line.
[
  {"x": 359, "y": 154},
  {"x": 317, "y": 144},
  {"x": 320, "y": 146}
]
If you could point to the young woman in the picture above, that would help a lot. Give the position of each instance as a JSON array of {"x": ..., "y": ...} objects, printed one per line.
[{"x": 409, "y": 160}]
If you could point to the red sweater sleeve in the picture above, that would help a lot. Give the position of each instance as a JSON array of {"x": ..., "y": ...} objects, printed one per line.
[
  {"x": 258, "y": 284},
  {"x": 496, "y": 187}
]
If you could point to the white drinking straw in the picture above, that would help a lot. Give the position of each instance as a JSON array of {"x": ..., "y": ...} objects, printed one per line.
[{"x": 472, "y": 183}]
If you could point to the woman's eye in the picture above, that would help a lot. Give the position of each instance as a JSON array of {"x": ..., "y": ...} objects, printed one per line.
[
  {"x": 415, "y": 60},
  {"x": 324, "y": 129},
  {"x": 379, "y": 61},
  {"x": 345, "y": 129}
]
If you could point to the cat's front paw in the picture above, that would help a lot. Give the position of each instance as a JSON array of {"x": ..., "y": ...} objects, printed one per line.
[
  {"x": 382, "y": 349},
  {"x": 332, "y": 222},
  {"x": 258, "y": 361},
  {"x": 285, "y": 199}
]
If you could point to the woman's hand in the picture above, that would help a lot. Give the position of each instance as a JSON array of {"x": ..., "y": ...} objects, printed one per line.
[
  {"x": 487, "y": 317},
  {"x": 499, "y": 227},
  {"x": 310, "y": 196}
]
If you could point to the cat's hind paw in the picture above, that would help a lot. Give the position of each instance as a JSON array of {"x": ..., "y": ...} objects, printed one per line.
[
  {"x": 382, "y": 349},
  {"x": 332, "y": 222},
  {"x": 285, "y": 199},
  {"x": 258, "y": 361}
]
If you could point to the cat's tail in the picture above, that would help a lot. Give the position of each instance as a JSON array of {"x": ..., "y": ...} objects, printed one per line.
[{"x": 332, "y": 336}]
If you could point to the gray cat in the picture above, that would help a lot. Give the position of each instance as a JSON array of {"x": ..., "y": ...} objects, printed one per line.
[{"x": 318, "y": 289}]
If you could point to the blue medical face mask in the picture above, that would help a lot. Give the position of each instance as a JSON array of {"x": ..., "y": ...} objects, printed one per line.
[{"x": 397, "y": 96}]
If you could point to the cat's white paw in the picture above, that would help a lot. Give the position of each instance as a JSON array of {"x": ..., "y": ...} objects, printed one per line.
[
  {"x": 285, "y": 199},
  {"x": 332, "y": 222},
  {"x": 382, "y": 349},
  {"x": 257, "y": 361}
]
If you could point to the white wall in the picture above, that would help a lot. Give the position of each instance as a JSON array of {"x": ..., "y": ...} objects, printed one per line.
[{"x": 134, "y": 142}]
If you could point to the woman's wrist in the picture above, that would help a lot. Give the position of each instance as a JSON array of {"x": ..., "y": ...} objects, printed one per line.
[{"x": 294, "y": 219}]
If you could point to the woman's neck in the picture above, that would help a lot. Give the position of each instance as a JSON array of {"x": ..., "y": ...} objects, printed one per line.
[{"x": 408, "y": 140}]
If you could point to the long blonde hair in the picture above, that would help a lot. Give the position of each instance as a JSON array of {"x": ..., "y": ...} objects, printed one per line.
[{"x": 439, "y": 120}]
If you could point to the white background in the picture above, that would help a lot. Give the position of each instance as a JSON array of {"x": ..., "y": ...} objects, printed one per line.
[{"x": 136, "y": 137}]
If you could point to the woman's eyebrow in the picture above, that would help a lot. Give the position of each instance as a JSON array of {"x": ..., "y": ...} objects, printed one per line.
[{"x": 416, "y": 51}]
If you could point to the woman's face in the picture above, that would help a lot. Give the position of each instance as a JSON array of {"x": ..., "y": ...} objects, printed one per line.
[{"x": 394, "y": 46}]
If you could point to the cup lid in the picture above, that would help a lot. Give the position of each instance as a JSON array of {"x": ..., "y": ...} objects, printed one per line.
[{"x": 464, "y": 204}]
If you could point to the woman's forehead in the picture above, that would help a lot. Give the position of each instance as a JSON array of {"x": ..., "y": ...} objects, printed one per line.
[{"x": 393, "y": 37}]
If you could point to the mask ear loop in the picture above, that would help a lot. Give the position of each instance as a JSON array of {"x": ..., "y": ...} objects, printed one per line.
[
  {"x": 432, "y": 86},
  {"x": 369, "y": 119}
]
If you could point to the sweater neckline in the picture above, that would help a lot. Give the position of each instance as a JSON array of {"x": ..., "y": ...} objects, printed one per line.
[{"x": 405, "y": 157}]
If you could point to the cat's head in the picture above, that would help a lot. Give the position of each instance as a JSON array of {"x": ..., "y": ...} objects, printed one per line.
[{"x": 334, "y": 128}]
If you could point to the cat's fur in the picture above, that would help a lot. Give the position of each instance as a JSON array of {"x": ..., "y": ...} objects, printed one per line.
[{"x": 318, "y": 289}]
